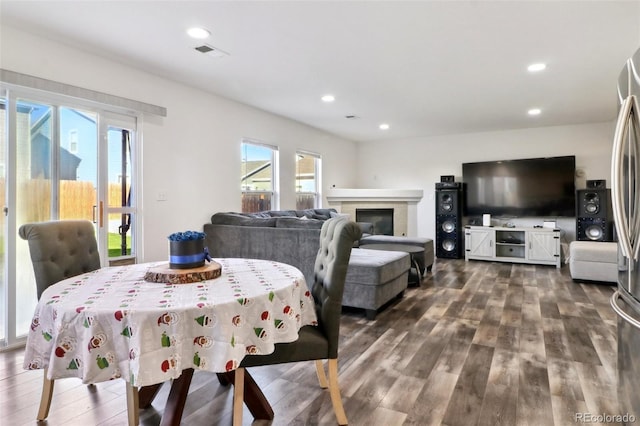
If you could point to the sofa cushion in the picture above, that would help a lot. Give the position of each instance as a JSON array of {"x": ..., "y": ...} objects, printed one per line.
[
  {"x": 325, "y": 213},
  {"x": 257, "y": 214},
  {"x": 295, "y": 222},
  {"x": 239, "y": 219},
  {"x": 308, "y": 213},
  {"x": 424, "y": 261},
  {"x": 374, "y": 267},
  {"x": 279, "y": 213}
]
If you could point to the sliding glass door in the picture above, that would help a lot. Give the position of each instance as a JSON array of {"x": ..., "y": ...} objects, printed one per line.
[
  {"x": 35, "y": 194},
  {"x": 117, "y": 207},
  {"x": 4, "y": 314},
  {"x": 59, "y": 161}
]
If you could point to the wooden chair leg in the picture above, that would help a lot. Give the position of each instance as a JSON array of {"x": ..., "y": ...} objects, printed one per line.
[
  {"x": 322, "y": 377},
  {"x": 45, "y": 399},
  {"x": 334, "y": 391},
  {"x": 238, "y": 396},
  {"x": 132, "y": 405}
]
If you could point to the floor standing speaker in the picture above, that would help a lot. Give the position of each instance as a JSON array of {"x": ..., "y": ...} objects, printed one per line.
[
  {"x": 449, "y": 231},
  {"x": 594, "y": 217}
]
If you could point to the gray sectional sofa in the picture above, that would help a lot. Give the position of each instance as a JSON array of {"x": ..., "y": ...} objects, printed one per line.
[
  {"x": 293, "y": 237},
  {"x": 281, "y": 236}
]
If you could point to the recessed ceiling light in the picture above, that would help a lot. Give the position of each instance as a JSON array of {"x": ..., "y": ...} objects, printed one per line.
[
  {"x": 537, "y": 67},
  {"x": 199, "y": 33},
  {"x": 534, "y": 111},
  {"x": 328, "y": 98},
  {"x": 384, "y": 126}
]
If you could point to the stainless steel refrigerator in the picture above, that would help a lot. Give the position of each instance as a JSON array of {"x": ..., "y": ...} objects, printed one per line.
[{"x": 625, "y": 194}]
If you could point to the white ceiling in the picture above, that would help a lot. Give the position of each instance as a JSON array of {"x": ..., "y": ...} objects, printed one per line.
[{"x": 425, "y": 67}]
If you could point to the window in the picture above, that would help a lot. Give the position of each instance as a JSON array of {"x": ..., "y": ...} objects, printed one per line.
[
  {"x": 307, "y": 181},
  {"x": 258, "y": 176},
  {"x": 73, "y": 141}
]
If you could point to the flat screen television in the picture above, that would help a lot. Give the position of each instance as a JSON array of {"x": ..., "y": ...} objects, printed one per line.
[{"x": 521, "y": 188}]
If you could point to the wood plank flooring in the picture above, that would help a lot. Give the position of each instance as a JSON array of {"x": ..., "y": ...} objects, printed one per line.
[{"x": 477, "y": 343}]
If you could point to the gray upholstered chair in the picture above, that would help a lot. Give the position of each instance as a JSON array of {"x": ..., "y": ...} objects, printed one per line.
[
  {"x": 315, "y": 343},
  {"x": 59, "y": 250}
]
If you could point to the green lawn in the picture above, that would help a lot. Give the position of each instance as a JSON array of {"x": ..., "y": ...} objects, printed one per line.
[{"x": 114, "y": 245}]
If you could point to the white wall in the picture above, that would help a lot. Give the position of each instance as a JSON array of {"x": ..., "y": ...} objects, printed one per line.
[
  {"x": 193, "y": 154},
  {"x": 418, "y": 163}
]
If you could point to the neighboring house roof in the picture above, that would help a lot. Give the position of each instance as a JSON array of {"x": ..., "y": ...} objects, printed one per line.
[
  {"x": 41, "y": 150},
  {"x": 41, "y": 164},
  {"x": 44, "y": 119},
  {"x": 257, "y": 170},
  {"x": 306, "y": 167},
  {"x": 260, "y": 170}
]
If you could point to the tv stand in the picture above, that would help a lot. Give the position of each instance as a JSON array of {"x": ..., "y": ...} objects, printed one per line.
[{"x": 540, "y": 246}]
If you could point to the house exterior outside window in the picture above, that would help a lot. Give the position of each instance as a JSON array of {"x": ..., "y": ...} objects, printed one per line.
[
  {"x": 308, "y": 184},
  {"x": 73, "y": 141},
  {"x": 259, "y": 168}
]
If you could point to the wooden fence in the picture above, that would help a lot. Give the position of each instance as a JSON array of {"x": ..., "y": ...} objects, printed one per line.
[
  {"x": 256, "y": 202},
  {"x": 77, "y": 199}
]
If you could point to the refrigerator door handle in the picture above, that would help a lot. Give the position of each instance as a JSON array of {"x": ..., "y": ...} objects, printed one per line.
[
  {"x": 622, "y": 314},
  {"x": 619, "y": 216},
  {"x": 633, "y": 140}
]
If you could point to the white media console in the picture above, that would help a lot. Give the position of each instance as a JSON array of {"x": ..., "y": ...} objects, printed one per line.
[{"x": 519, "y": 245}]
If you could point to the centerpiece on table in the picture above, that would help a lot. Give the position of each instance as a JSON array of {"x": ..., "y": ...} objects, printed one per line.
[
  {"x": 187, "y": 255},
  {"x": 187, "y": 250}
]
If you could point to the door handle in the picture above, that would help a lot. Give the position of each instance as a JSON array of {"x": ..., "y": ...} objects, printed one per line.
[
  {"x": 620, "y": 219},
  {"x": 622, "y": 314},
  {"x": 94, "y": 213}
]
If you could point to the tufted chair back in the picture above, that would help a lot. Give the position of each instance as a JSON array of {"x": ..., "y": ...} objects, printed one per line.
[
  {"x": 60, "y": 249},
  {"x": 336, "y": 239}
]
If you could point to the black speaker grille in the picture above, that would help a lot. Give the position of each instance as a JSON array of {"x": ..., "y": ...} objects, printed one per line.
[
  {"x": 594, "y": 217},
  {"x": 449, "y": 233}
]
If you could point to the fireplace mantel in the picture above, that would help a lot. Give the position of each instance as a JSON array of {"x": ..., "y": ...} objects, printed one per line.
[
  {"x": 403, "y": 202},
  {"x": 354, "y": 194}
]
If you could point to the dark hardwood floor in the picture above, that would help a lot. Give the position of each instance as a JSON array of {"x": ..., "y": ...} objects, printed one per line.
[{"x": 477, "y": 343}]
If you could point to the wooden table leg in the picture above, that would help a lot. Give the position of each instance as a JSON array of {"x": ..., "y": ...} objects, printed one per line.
[
  {"x": 254, "y": 399},
  {"x": 177, "y": 396},
  {"x": 146, "y": 395}
]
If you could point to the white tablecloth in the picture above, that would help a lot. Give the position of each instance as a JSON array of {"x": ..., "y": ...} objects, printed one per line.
[{"x": 110, "y": 323}]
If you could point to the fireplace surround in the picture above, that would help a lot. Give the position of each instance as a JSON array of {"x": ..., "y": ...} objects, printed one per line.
[{"x": 403, "y": 202}]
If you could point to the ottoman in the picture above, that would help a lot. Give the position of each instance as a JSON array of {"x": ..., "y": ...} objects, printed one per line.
[
  {"x": 374, "y": 278},
  {"x": 425, "y": 263},
  {"x": 593, "y": 261}
]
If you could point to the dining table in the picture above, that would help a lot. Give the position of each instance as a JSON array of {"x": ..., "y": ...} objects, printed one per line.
[{"x": 113, "y": 323}]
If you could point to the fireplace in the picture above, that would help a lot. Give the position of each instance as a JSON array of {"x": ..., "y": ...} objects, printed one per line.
[
  {"x": 382, "y": 220},
  {"x": 403, "y": 202}
]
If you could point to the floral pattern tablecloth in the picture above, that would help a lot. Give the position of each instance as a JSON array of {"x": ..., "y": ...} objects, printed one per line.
[{"x": 110, "y": 323}]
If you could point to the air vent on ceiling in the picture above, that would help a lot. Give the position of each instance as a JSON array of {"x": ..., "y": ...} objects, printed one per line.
[
  {"x": 211, "y": 51},
  {"x": 351, "y": 117}
]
